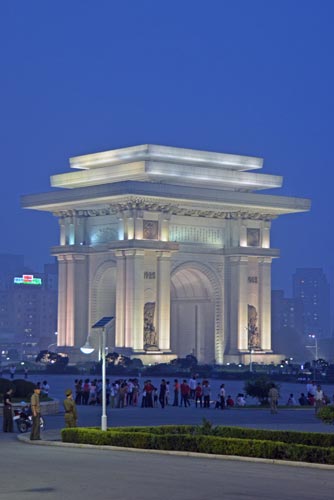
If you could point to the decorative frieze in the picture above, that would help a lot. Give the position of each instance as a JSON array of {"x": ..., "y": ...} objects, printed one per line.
[{"x": 153, "y": 205}]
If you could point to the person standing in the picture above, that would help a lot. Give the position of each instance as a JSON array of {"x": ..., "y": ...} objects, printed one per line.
[
  {"x": 12, "y": 371},
  {"x": 185, "y": 392},
  {"x": 71, "y": 416},
  {"x": 36, "y": 414},
  {"x": 162, "y": 393},
  {"x": 8, "y": 412},
  {"x": 319, "y": 398},
  {"x": 206, "y": 394},
  {"x": 192, "y": 384},
  {"x": 273, "y": 398},
  {"x": 198, "y": 394},
  {"x": 176, "y": 392},
  {"x": 222, "y": 395}
]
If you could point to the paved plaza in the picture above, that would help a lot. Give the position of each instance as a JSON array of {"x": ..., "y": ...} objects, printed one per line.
[
  {"x": 287, "y": 418},
  {"x": 55, "y": 471}
]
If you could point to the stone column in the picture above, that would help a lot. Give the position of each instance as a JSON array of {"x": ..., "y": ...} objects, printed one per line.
[
  {"x": 72, "y": 300},
  {"x": 163, "y": 300},
  {"x": 138, "y": 226},
  {"x": 265, "y": 302},
  {"x": 238, "y": 303},
  {"x": 62, "y": 300},
  {"x": 266, "y": 234},
  {"x": 120, "y": 300},
  {"x": 62, "y": 226},
  {"x": 134, "y": 301},
  {"x": 80, "y": 230}
]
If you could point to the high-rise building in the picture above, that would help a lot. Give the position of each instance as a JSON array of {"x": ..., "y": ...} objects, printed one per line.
[
  {"x": 28, "y": 307},
  {"x": 310, "y": 285},
  {"x": 287, "y": 326}
]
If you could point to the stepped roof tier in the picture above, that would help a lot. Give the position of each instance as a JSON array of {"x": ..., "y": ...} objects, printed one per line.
[{"x": 200, "y": 179}]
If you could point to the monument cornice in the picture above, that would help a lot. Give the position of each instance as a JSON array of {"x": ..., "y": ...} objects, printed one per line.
[{"x": 136, "y": 194}]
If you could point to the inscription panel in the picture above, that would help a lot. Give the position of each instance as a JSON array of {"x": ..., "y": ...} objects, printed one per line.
[
  {"x": 196, "y": 234},
  {"x": 102, "y": 234}
]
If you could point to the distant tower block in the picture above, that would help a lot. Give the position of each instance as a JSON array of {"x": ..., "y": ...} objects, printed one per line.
[{"x": 175, "y": 244}]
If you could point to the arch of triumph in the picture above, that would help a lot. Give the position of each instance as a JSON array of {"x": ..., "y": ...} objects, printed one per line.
[{"x": 175, "y": 244}]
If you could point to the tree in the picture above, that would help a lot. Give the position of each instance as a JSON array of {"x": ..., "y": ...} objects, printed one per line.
[
  {"x": 259, "y": 388},
  {"x": 50, "y": 358}
]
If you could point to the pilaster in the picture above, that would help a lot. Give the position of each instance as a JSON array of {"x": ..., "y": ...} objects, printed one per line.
[
  {"x": 134, "y": 306},
  {"x": 265, "y": 302},
  {"x": 163, "y": 299},
  {"x": 120, "y": 300}
]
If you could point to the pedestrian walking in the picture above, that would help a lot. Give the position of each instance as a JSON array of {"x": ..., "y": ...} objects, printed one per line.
[
  {"x": 71, "y": 416},
  {"x": 273, "y": 398}
]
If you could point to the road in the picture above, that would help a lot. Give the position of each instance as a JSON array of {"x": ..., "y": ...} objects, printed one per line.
[{"x": 29, "y": 472}]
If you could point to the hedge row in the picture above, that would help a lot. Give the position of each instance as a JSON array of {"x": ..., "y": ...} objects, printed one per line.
[
  {"x": 201, "y": 444},
  {"x": 294, "y": 437}
]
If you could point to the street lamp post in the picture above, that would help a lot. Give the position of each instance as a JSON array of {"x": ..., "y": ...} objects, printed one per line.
[
  {"x": 314, "y": 337},
  {"x": 88, "y": 349},
  {"x": 315, "y": 346}
]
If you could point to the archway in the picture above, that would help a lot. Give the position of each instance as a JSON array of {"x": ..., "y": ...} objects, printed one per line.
[
  {"x": 192, "y": 314},
  {"x": 103, "y": 300}
]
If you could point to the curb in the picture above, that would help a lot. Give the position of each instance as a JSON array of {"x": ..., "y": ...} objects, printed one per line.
[{"x": 289, "y": 463}]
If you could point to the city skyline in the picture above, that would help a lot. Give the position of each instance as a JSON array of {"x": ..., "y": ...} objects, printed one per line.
[{"x": 244, "y": 79}]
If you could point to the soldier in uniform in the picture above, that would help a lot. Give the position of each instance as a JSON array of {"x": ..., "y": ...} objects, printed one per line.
[
  {"x": 36, "y": 414},
  {"x": 70, "y": 407}
]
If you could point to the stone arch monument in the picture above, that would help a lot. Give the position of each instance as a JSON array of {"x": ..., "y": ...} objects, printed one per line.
[{"x": 175, "y": 243}]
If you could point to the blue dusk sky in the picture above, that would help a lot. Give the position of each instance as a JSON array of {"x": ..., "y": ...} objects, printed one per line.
[{"x": 250, "y": 77}]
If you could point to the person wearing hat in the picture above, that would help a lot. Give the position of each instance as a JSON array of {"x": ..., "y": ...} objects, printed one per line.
[
  {"x": 36, "y": 414},
  {"x": 70, "y": 407}
]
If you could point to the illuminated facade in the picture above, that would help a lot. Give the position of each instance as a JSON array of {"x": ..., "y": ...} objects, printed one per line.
[{"x": 175, "y": 243}]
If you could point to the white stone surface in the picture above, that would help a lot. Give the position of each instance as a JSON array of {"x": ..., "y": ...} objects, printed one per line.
[{"x": 177, "y": 228}]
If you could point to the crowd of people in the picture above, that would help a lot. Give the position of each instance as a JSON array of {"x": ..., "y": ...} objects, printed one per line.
[{"x": 129, "y": 392}]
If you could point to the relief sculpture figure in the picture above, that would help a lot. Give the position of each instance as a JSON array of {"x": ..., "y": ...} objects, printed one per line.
[
  {"x": 254, "y": 341},
  {"x": 150, "y": 334}
]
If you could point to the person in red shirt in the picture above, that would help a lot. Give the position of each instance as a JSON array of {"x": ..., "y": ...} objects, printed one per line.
[
  {"x": 148, "y": 389},
  {"x": 176, "y": 392},
  {"x": 229, "y": 402},
  {"x": 185, "y": 393},
  {"x": 198, "y": 394}
]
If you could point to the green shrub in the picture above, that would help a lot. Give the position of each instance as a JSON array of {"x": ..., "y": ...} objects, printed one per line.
[
  {"x": 201, "y": 443},
  {"x": 326, "y": 414},
  {"x": 259, "y": 388}
]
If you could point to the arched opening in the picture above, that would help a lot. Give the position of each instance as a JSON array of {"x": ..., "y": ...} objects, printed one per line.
[
  {"x": 192, "y": 315},
  {"x": 104, "y": 303}
]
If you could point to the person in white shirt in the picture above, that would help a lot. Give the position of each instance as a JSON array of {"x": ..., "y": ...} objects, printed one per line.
[{"x": 319, "y": 398}]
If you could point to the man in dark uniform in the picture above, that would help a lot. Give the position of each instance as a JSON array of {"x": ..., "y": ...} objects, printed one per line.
[
  {"x": 70, "y": 407},
  {"x": 8, "y": 412},
  {"x": 36, "y": 414}
]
